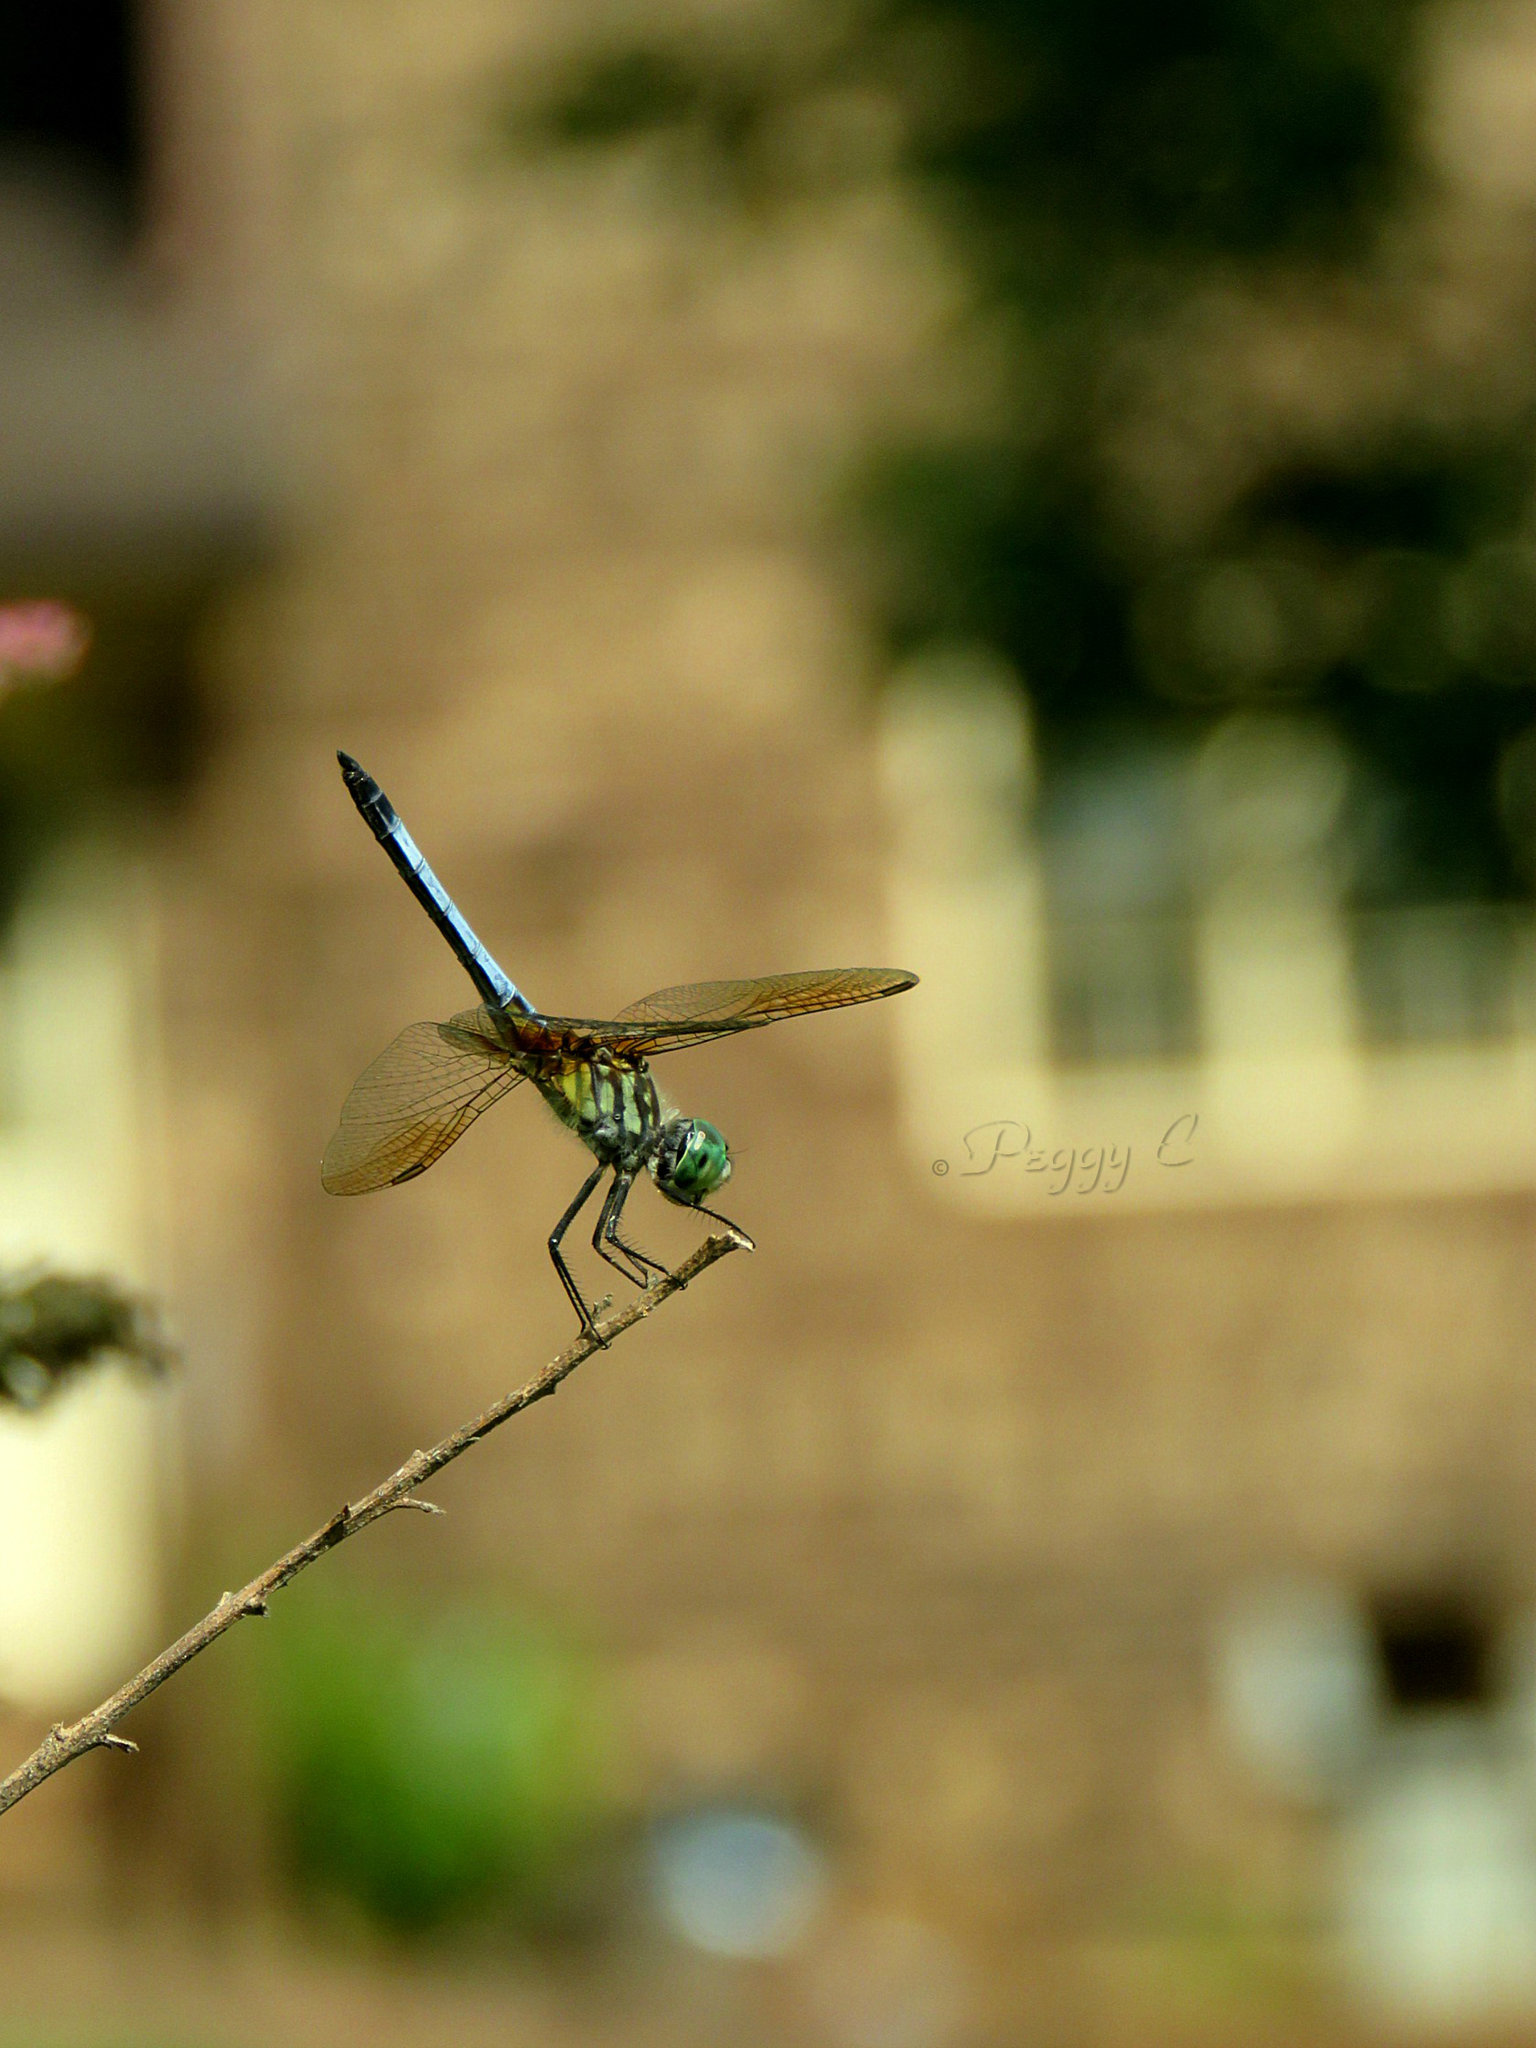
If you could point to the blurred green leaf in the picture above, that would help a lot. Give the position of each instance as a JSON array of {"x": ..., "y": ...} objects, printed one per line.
[{"x": 430, "y": 1768}]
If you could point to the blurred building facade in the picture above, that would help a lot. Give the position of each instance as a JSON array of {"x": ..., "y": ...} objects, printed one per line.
[{"x": 1127, "y": 1604}]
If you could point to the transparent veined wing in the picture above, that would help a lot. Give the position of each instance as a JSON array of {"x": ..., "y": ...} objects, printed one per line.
[
  {"x": 421, "y": 1094},
  {"x": 697, "y": 1010},
  {"x": 768, "y": 997}
]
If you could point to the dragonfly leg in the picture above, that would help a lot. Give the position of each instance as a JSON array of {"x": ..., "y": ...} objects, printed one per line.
[
  {"x": 641, "y": 1265},
  {"x": 700, "y": 1210},
  {"x": 583, "y": 1196},
  {"x": 643, "y": 1260}
]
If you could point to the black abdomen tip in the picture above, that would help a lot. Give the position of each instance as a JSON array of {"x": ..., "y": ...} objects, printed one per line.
[{"x": 366, "y": 794}]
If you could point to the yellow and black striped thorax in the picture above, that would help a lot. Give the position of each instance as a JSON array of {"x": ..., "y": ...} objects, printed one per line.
[{"x": 610, "y": 1104}]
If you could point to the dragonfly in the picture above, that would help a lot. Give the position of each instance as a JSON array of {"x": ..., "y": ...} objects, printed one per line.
[{"x": 424, "y": 1091}]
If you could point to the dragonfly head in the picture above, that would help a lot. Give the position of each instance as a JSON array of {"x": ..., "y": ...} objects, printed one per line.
[{"x": 691, "y": 1160}]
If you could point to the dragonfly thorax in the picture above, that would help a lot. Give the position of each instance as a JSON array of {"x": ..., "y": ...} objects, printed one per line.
[
  {"x": 690, "y": 1161},
  {"x": 611, "y": 1106}
]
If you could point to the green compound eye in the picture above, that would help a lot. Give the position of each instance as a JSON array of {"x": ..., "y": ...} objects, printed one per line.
[{"x": 692, "y": 1161}]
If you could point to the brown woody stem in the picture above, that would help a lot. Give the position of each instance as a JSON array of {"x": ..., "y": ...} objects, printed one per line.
[{"x": 65, "y": 1742}]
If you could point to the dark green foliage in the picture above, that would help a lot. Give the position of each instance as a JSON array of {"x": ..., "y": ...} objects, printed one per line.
[
  {"x": 998, "y": 543},
  {"x": 1097, "y": 163},
  {"x": 1112, "y": 131},
  {"x": 1070, "y": 133},
  {"x": 620, "y": 94},
  {"x": 1393, "y": 595},
  {"x": 430, "y": 1769},
  {"x": 718, "y": 116},
  {"x": 52, "y": 1325},
  {"x": 1095, "y": 166}
]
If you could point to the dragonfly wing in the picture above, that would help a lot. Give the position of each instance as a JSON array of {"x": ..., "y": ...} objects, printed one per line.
[
  {"x": 769, "y": 997},
  {"x": 673, "y": 1017},
  {"x": 419, "y": 1096}
]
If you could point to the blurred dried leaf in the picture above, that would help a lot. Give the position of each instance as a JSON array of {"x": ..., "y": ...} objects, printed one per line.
[{"x": 53, "y": 1325}]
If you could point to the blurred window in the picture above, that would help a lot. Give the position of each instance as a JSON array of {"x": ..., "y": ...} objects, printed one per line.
[
  {"x": 1156, "y": 852},
  {"x": 1400, "y": 1718},
  {"x": 1438, "y": 1847},
  {"x": 1434, "y": 1654},
  {"x": 1445, "y": 971},
  {"x": 1216, "y": 926},
  {"x": 1298, "y": 1686},
  {"x": 69, "y": 95},
  {"x": 1113, "y": 838}
]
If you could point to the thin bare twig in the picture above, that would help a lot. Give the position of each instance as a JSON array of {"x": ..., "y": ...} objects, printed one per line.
[{"x": 64, "y": 1743}]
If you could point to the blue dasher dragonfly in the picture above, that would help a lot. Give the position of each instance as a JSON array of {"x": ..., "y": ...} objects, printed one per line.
[{"x": 425, "y": 1090}]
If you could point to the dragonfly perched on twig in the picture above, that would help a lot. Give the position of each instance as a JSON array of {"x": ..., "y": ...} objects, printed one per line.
[{"x": 425, "y": 1090}]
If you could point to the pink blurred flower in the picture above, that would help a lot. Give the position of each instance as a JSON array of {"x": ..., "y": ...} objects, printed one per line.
[{"x": 41, "y": 642}]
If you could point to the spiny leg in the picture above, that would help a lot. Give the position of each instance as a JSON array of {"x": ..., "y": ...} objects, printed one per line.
[
  {"x": 584, "y": 1195},
  {"x": 608, "y": 1229},
  {"x": 700, "y": 1210},
  {"x": 602, "y": 1236},
  {"x": 607, "y": 1233},
  {"x": 643, "y": 1259}
]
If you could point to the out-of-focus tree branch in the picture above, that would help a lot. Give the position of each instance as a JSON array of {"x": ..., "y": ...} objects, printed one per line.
[{"x": 94, "y": 1730}]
